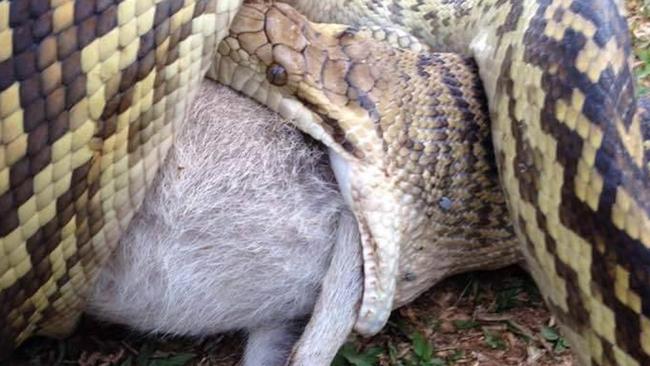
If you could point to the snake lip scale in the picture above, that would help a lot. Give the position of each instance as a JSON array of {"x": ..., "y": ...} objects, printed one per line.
[{"x": 521, "y": 136}]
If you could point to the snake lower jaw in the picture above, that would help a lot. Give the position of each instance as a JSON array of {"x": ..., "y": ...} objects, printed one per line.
[{"x": 376, "y": 208}]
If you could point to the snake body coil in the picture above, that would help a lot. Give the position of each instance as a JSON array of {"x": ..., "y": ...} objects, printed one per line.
[{"x": 90, "y": 94}]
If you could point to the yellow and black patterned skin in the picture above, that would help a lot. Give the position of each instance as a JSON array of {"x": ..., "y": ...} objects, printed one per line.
[
  {"x": 571, "y": 139},
  {"x": 91, "y": 92}
]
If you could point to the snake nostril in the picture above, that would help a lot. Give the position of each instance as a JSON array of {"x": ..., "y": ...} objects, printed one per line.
[{"x": 277, "y": 75}]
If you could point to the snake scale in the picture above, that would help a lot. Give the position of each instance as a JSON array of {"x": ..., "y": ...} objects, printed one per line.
[{"x": 92, "y": 90}]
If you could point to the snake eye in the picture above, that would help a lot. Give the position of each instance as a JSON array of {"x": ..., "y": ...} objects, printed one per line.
[{"x": 277, "y": 75}]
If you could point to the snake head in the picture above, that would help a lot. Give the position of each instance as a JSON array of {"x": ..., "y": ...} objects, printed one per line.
[{"x": 320, "y": 77}]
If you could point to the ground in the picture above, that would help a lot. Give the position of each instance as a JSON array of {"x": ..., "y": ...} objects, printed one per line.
[{"x": 486, "y": 319}]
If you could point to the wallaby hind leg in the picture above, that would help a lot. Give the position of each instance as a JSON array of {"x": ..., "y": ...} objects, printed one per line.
[
  {"x": 271, "y": 345},
  {"x": 338, "y": 303}
]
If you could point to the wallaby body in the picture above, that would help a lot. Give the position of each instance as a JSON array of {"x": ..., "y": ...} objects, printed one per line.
[{"x": 238, "y": 232}]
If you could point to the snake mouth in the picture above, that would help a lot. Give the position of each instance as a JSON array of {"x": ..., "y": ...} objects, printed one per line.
[{"x": 370, "y": 193}]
